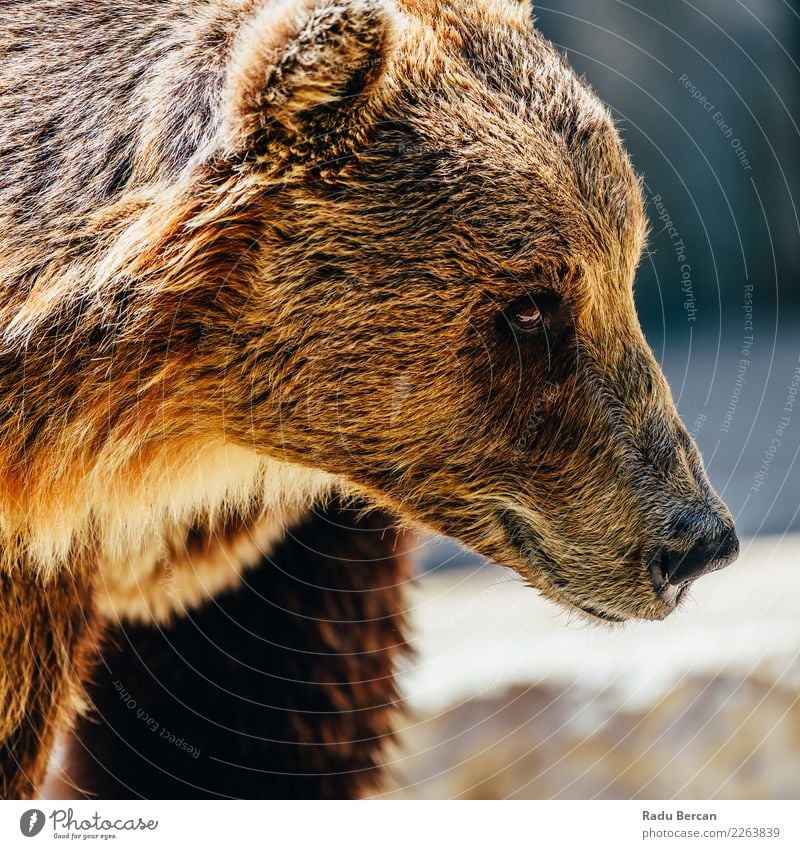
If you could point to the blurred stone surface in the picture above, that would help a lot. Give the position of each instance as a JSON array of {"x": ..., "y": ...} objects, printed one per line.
[
  {"x": 511, "y": 698},
  {"x": 708, "y": 738}
]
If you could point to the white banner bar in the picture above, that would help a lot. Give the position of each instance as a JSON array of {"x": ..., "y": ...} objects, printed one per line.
[{"x": 405, "y": 825}]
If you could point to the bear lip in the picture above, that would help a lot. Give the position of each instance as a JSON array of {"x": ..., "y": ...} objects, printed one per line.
[{"x": 596, "y": 613}]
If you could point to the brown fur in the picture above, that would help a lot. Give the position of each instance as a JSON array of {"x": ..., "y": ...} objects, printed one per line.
[
  {"x": 253, "y": 252},
  {"x": 49, "y": 639}
]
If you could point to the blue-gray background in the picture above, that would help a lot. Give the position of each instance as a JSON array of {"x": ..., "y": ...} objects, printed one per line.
[{"x": 738, "y": 220}]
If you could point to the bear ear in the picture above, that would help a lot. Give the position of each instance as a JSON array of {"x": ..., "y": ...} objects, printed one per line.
[{"x": 294, "y": 56}]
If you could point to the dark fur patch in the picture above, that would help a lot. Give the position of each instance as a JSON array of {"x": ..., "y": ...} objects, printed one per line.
[{"x": 285, "y": 686}]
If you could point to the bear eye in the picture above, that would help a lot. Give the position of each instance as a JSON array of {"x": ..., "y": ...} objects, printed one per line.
[{"x": 525, "y": 315}]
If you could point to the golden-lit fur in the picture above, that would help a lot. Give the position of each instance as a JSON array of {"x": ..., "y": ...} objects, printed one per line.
[
  {"x": 222, "y": 516},
  {"x": 258, "y": 251}
]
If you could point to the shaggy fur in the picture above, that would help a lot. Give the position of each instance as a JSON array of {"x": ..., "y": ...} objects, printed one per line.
[
  {"x": 255, "y": 252},
  {"x": 46, "y": 633}
]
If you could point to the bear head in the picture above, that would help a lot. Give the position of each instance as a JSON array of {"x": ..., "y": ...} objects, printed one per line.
[{"x": 442, "y": 303}]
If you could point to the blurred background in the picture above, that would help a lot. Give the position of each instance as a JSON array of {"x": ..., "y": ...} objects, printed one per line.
[{"x": 507, "y": 696}]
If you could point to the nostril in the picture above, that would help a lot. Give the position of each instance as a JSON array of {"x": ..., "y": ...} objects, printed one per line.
[
  {"x": 659, "y": 568},
  {"x": 671, "y": 567}
]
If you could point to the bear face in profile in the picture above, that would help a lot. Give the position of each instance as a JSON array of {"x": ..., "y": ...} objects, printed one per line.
[
  {"x": 390, "y": 242},
  {"x": 454, "y": 229}
]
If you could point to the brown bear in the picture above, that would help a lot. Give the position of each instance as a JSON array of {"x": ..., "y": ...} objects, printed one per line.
[{"x": 277, "y": 277}]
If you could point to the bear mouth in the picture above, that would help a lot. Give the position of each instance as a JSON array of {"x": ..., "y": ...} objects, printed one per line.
[{"x": 525, "y": 542}]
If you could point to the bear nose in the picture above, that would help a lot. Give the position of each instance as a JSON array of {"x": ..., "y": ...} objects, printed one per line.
[{"x": 668, "y": 566}]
